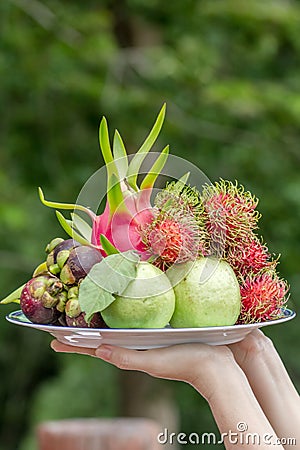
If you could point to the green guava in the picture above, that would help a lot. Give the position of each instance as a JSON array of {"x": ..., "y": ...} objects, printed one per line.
[
  {"x": 147, "y": 302},
  {"x": 208, "y": 294}
]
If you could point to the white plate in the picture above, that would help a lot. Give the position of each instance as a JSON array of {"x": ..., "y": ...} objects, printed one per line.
[{"x": 147, "y": 337}]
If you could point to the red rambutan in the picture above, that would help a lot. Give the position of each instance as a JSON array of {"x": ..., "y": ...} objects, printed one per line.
[
  {"x": 263, "y": 297},
  {"x": 170, "y": 242},
  {"x": 177, "y": 233},
  {"x": 249, "y": 256},
  {"x": 231, "y": 214},
  {"x": 166, "y": 239}
]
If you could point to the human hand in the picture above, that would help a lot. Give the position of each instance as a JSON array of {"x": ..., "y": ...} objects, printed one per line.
[
  {"x": 270, "y": 383},
  {"x": 196, "y": 364},
  {"x": 211, "y": 370},
  {"x": 255, "y": 345},
  {"x": 222, "y": 375}
]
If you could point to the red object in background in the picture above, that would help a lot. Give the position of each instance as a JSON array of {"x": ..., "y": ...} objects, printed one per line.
[{"x": 99, "y": 434}]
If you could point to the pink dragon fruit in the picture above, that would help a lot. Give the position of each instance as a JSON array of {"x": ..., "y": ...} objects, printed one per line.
[{"x": 128, "y": 206}]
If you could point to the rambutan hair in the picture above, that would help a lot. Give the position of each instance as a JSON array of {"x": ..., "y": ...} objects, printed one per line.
[
  {"x": 263, "y": 297},
  {"x": 169, "y": 242},
  {"x": 179, "y": 197},
  {"x": 231, "y": 214},
  {"x": 249, "y": 256},
  {"x": 177, "y": 233}
]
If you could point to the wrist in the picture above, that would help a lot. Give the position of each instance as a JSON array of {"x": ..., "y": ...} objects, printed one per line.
[
  {"x": 232, "y": 401},
  {"x": 264, "y": 369}
]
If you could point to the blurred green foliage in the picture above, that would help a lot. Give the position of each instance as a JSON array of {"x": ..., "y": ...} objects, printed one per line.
[{"x": 229, "y": 72}]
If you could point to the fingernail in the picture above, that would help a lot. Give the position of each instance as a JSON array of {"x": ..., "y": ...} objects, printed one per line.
[
  {"x": 52, "y": 345},
  {"x": 103, "y": 352}
]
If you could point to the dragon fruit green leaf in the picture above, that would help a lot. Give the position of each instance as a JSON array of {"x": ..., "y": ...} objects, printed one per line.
[
  {"x": 82, "y": 226},
  {"x": 120, "y": 155},
  {"x": 58, "y": 205},
  {"x": 150, "y": 178},
  {"x": 107, "y": 246},
  {"x": 69, "y": 230},
  {"x": 136, "y": 162}
]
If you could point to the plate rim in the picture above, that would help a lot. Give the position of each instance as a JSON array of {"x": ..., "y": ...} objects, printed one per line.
[{"x": 289, "y": 315}]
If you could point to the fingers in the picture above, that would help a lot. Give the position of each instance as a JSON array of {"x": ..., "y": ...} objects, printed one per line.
[
  {"x": 178, "y": 362},
  {"x": 254, "y": 344},
  {"x": 175, "y": 362},
  {"x": 121, "y": 357},
  {"x": 63, "y": 348},
  {"x": 149, "y": 361},
  {"x": 184, "y": 362},
  {"x": 154, "y": 362}
]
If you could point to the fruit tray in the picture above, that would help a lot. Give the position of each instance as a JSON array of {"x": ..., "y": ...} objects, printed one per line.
[{"x": 147, "y": 267}]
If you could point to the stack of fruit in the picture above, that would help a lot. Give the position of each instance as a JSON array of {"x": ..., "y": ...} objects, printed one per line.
[
  {"x": 51, "y": 296},
  {"x": 191, "y": 259}
]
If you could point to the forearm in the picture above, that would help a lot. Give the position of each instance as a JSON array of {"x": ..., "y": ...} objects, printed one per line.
[
  {"x": 273, "y": 389},
  {"x": 238, "y": 415}
]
